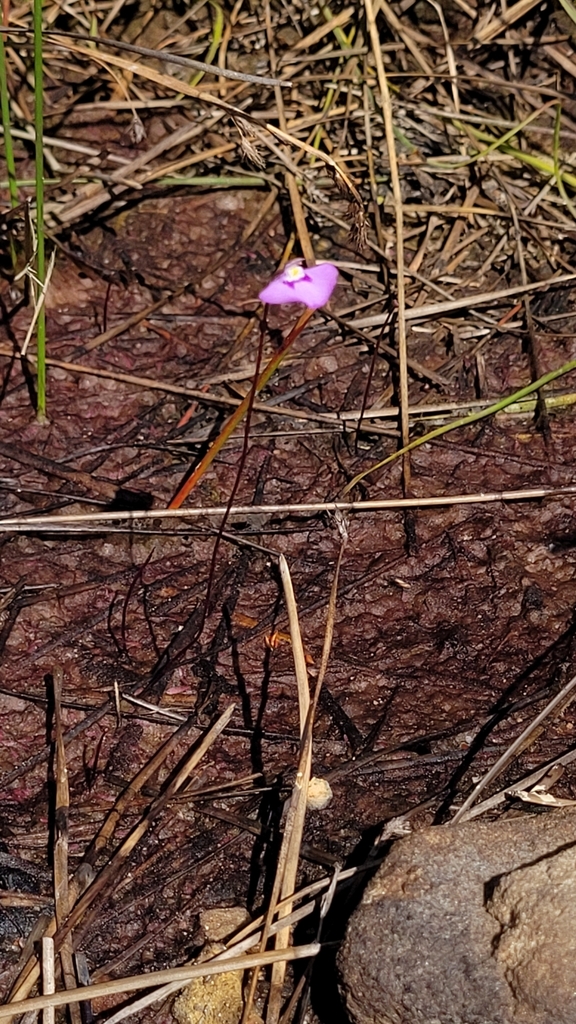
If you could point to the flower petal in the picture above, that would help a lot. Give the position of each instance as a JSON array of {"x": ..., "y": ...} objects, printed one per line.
[
  {"x": 318, "y": 285},
  {"x": 313, "y": 289},
  {"x": 279, "y": 290}
]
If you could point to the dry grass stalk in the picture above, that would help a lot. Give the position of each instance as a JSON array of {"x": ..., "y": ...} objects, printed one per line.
[
  {"x": 29, "y": 974},
  {"x": 79, "y": 909},
  {"x": 224, "y": 400},
  {"x": 406, "y": 34},
  {"x": 305, "y": 764},
  {"x": 39, "y": 300},
  {"x": 283, "y": 893},
  {"x": 83, "y": 520},
  {"x": 48, "y": 978},
  {"x": 60, "y": 851},
  {"x": 289, "y": 856},
  {"x": 157, "y": 807},
  {"x": 235, "y": 949},
  {"x": 337, "y": 21},
  {"x": 492, "y": 26},
  {"x": 424, "y": 411},
  {"x": 106, "y": 832},
  {"x": 300, "y": 668},
  {"x": 526, "y": 736},
  {"x": 399, "y": 218},
  {"x": 171, "y": 58},
  {"x": 526, "y": 783},
  {"x": 181, "y": 974},
  {"x": 433, "y": 309}
]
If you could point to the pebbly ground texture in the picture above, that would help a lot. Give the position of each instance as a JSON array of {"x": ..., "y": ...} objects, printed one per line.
[{"x": 468, "y": 925}]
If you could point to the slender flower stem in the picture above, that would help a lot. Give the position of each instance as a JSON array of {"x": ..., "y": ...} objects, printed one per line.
[
  {"x": 239, "y": 413},
  {"x": 39, "y": 160},
  {"x": 239, "y": 472}
]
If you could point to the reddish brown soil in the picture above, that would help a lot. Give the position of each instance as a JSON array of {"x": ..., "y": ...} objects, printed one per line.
[{"x": 445, "y": 618}]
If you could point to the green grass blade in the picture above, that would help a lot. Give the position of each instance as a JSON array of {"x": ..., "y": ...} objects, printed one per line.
[
  {"x": 39, "y": 160},
  {"x": 8, "y": 146},
  {"x": 344, "y": 41},
  {"x": 465, "y": 421},
  {"x": 217, "y": 33},
  {"x": 557, "y": 169},
  {"x": 495, "y": 144}
]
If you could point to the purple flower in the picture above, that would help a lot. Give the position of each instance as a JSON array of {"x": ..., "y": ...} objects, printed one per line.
[{"x": 311, "y": 285}]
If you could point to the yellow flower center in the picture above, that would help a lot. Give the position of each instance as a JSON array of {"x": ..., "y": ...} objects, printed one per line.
[{"x": 294, "y": 272}]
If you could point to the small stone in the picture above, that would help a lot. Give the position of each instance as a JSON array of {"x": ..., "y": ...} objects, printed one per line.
[
  {"x": 319, "y": 794},
  {"x": 219, "y": 923},
  {"x": 209, "y": 284},
  {"x": 217, "y": 999}
]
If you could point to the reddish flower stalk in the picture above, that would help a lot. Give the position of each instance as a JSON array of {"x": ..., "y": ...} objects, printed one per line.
[
  {"x": 310, "y": 285},
  {"x": 238, "y": 414}
]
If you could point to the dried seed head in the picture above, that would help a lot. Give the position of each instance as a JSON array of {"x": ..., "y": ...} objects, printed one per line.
[
  {"x": 359, "y": 229},
  {"x": 248, "y": 147},
  {"x": 136, "y": 131}
]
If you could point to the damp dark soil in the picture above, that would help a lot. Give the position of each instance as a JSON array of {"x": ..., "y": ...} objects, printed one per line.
[{"x": 454, "y": 623}]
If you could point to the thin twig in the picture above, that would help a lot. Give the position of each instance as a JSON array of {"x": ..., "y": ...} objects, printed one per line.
[
  {"x": 163, "y": 55},
  {"x": 21, "y": 524}
]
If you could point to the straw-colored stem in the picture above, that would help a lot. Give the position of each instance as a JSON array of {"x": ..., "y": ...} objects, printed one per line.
[
  {"x": 239, "y": 413},
  {"x": 154, "y": 978},
  {"x": 84, "y": 520},
  {"x": 287, "y": 867},
  {"x": 399, "y": 217}
]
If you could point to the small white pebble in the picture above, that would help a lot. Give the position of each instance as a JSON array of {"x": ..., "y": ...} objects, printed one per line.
[{"x": 319, "y": 794}]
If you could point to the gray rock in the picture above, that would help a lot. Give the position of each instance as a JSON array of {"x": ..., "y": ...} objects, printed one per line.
[
  {"x": 449, "y": 931},
  {"x": 535, "y": 909}
]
